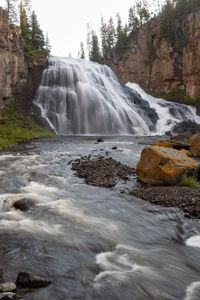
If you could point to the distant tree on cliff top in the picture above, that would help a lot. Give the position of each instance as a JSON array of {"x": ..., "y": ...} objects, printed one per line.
[
  {"x": 12, "y": 11},
  {"x": 24, "y": 24},
  {"x": 37, "y": 36},
  {"x": 95, "y": 54},
  {"x": 82, "y": 51}
]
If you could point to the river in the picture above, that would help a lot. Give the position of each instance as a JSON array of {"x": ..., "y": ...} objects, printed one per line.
[{"x": 92, "y": 243}]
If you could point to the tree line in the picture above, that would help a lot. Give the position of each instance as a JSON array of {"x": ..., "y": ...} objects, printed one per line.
[
  {"x": 113, "y": 36},
  {"x": 20, "y": 13}
]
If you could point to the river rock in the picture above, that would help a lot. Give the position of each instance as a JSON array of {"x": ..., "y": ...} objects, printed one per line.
[
  {"x": 7, "y": 287},
  {"x": 1, "y": 276},
  {"x": 23, "y": 204},
  {"x": 195, "y": 144},
  {"x": 30, "y": 280},
  {"x": 100, "y": 140},
  {"x": 184, "y": 130},
  {"x": 165, "y": 166},
  {"x": 10, "y": 296}
]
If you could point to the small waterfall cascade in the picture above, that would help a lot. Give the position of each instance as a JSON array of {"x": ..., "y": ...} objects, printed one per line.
[{"x": 81, "y": 97}]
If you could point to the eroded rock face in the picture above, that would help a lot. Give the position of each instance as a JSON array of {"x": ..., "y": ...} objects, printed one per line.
[
  {"x": 19, "y": 76},
  {"x": 195, "y": 145},
  {"x": 156, "y": 65},
  {"x": 164, "y": 166}
]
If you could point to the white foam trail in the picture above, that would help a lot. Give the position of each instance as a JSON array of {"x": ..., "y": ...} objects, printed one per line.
[
  {"x": 193, "y": 241},
  {"x": 193, "y": 291}
]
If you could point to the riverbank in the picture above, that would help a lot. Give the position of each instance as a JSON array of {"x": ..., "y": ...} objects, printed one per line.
[
  {"x": 185, "y": 198},
  {"x": 15, "y": 127}
]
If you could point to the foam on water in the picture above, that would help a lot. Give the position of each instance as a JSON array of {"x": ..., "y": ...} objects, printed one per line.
[
  {"x": 193, "y": 241},
  {"x": 193, "y": 291}
]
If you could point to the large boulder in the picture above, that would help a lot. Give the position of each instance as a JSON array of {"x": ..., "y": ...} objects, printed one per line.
[
  {"x": 195, "y": 144},
  {"x": 165, "y": 166},
  {"x": 184, "y": 130}
]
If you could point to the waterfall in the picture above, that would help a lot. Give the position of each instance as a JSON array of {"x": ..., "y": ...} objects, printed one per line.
[{"x": 81, "y": 97}]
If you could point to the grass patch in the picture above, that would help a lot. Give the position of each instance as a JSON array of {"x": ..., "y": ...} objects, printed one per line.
[
  {"x": 189, "y": 182},
  {"x": 15, "y": 127},
  {"x": 176, "y": 96}
]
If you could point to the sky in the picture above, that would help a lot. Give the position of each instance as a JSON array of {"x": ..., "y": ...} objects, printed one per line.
[{"x": 66, "y": 21}]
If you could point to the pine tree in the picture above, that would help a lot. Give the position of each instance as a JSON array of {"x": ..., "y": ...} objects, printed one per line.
[
  {"x": 95, "y": 54},
  {"x": 133, "y": 21},
  {"x": 12, "y": 12},
  {"x": 110, "y": 36},
  {"x": 47, "y": 44},
  {"x": 142, "y": 11},
  {"x": 37, "y": 36},
  {"x": 82, "y": 52},
  {"x": 104, "y": 43},
  {"x": 167, "y": 22},
  {"x": 24, "y": 25},
  {"x": 120, "y": 35}
]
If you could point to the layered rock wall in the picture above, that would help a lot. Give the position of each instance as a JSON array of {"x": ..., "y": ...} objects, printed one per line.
[
  {"x": 19, "y": 76},
  {"x": 158, "y": 66}
]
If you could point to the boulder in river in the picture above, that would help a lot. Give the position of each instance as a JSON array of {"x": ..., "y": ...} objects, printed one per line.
[
  {"x": 195, "y": 144},
  {"x": 165, "y": 166},
  {"x": 100, "y": 140},
  {"x": 7, "y": 287},
  {"x": 184, "y": 130},
  {"x": 30, "y": 280},
  {"x": 23, "y": 204}
]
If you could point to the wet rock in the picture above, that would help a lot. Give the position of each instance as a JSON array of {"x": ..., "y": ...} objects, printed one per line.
[
  {"x": 184, "y": 130},
  {"x": 185, "y": 198},
  {"x": 100, "y": 140},
  {"x": 10, "y": 296},
  {"x": 7, "y": 287},
  {"x": 195, "y": 144},
  {"x": 101, "y": 171},
  {"x": 114, "y": 148},
  {"x": 167, "y": 144},
  {"x": 30, "y": 280},
  {"x": 165, "y": 166},
  {"x": 24, "y": 204},
  {"x": 1, "y": 276}
]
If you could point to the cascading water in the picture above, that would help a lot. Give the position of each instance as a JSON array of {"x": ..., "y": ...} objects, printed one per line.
[{"x": 81, "y": 97}]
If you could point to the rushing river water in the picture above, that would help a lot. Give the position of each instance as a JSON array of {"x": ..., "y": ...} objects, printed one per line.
[{"x": 93, "y": 243}]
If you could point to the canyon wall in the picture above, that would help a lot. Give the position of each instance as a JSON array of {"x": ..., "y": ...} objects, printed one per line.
[
  {"x": 159, "y": 67},
  {"x": 19, "y": 75}
]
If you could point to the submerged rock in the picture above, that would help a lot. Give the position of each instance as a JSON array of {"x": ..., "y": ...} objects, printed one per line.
[
  {"x": 10, "y": 296},
  {"x": 165, "y": 166},
  {"x": 100, "y": 140},
  {"x": 30, "y": 280},
  {"x": 195, "y": 144},
  {"x": 24, "y": 204},
  {"x": 7, "y": 287}
]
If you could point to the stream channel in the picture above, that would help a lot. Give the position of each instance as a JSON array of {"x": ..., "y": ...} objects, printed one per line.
[{"x": 93, "y": 243}]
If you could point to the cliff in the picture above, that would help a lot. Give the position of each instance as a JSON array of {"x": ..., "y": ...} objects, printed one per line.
[
  {"x": 159, "y": 67},
  {"x": 19, "y": 76}
]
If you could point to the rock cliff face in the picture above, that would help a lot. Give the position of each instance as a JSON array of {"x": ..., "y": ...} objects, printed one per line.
[
  {"x": 19, "y": 77},
  {"x": 153, "y": 63}
]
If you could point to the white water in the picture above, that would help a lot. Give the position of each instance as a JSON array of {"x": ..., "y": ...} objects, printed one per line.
[{"x": 81, "y": 97}]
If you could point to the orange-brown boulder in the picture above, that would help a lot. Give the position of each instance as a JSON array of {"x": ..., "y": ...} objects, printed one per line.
[
  {"x": 164, "y": 166},
  {"x": 167, "y": 144},
  {"x": 195, "y": 144}
]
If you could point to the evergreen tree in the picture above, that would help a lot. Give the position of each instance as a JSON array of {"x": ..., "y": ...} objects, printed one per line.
[
  {"x": 12, "y": 12},
  {"x": 82, "y": 52},
  {"x": 110, "y": 36},
  {"x": 47, "y": 44},
  {"x": 37, "y": 36},
  {"x": 24, "y": 25},
  {"x": 121, "y": 35},
  {"x": 133, "y": 21},
  {"x": 142, "y": 11},
  {"x": 95, "y": 54},
  {"x": 167, "y": 22},
  {"x": 104, "y": 44}
]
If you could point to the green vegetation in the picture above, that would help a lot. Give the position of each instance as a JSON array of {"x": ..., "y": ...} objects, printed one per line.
[
  {"x": 114, "y": 36},
  {"x": 189, "y": 182},
  {"x": 35, "y": 43},
  {"x": 15, "y": 127},
  {"x": 176, "y": 96}
]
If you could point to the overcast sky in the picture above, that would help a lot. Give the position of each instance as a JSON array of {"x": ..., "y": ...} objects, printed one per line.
[{"x": 65, "y": 21}]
